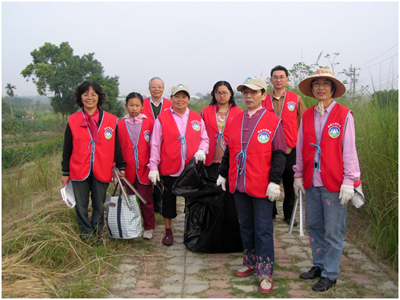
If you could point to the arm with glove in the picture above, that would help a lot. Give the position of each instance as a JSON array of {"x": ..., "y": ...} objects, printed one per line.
[
  {"x": 223, "y": 170},
  {"x": 278, "y": 163}
]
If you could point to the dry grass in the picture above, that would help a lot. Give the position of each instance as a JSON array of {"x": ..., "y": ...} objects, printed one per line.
[{"x": 42, "y": 254}]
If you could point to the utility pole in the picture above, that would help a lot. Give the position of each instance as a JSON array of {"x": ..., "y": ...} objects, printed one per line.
[{"x": 353, "y": 80}]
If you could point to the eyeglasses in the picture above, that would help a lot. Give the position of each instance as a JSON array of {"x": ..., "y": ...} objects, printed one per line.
[
  {"x": 86, "y": 95},
  {"x": 156, "y": 87},
  {"x": 223, "y": 93},
  {"x": 324, "y": 84}
]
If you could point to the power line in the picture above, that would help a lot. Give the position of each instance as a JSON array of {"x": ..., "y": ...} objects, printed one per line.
[{"x": 379, "y": 55}]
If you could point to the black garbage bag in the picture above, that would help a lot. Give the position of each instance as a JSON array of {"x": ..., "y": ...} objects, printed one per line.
[{"x": 211, "y": 220}]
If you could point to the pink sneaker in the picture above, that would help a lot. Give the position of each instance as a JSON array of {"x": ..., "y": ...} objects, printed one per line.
[
  {"x": 266, "y": 284},
  {"x": 245, "y": 271}
]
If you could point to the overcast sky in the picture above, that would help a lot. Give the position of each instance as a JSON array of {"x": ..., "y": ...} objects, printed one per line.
[{"x": 199, "y": 43}]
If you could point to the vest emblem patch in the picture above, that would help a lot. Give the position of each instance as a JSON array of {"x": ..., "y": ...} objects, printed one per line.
[
  {"x": 196, "y": 125},
  {"x": 334, "y": 132},
  {"x": 263, "y": 137},
  {"x": 291, "y": 106}
]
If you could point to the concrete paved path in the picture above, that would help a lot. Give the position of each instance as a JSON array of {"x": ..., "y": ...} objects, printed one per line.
[{"x": 176, "y": 272}]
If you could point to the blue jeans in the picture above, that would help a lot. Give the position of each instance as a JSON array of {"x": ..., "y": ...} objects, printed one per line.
[
  {"x": 257, "y": 232},
  {"x": 326, "y": 223}
]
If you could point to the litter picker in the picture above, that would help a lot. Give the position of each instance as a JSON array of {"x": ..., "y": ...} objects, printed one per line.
[
  {"x": 119, "y": 176},
  {"x": 294, "y": 214}
]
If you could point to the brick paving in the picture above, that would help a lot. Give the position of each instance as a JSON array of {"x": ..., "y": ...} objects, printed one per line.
[{"x": 180, "y": 273}]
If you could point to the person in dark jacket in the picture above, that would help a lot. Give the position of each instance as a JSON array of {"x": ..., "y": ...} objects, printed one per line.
[
  {"x": 91, "y": 147},
  {"x": 253, "y": 163}
]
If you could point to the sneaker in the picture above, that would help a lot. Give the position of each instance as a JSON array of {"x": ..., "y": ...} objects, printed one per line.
[
  {"x": 245, "y": 271},
  {"x": 168, "y": 240},
  {"x": 312, "y": 273},
  {"x": 148, "y": 234},
  {"x": 323, "y": 284},
  {"x": 266, "y": 284}
]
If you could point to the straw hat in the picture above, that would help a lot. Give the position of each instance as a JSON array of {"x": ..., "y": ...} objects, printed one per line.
[{"x": 305, "y": 85}]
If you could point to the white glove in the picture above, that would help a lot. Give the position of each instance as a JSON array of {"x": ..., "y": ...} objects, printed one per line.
[
  {"x": 154, "y": 176},
  {"x": 200, "y": 155},
  {"x": 222, "y": 182},
  {"x": 346, "y": 193},
  {"x": 273, "y": 191},
  {"x": 298, "y": 185}
]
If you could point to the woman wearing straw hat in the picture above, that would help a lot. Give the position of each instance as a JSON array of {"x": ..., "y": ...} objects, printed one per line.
[{"x": 326, "y": 169}]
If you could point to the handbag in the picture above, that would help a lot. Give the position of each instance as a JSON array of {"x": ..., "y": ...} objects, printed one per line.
[{"x": 124, "y": 220}]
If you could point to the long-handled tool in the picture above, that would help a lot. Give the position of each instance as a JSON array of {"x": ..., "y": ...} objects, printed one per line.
[
  {"x": 119, "y": 176},
  {"x": 294, "y": 214}
]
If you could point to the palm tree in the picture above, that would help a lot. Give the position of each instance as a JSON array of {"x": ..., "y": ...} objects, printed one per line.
[{"x": 10, "y": 92}]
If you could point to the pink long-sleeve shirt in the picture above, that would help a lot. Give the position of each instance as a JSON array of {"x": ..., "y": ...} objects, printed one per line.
[
  {"x": 351, "y": 167},
  {"x": 157, "y": 139}
]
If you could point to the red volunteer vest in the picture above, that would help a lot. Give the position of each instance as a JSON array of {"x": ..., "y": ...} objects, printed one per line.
[
  {"x": 210, "y": 119},
  {"x": 85, "y": 152},
  {"x": 149, "y": 112},
  {"x": 288, "y": 116},
  {"x": 172, "y": 148},
  {"x": 258, "y": 154},
  {"x": 142, "y": 151},
  {"x": 330, "y": 144}
]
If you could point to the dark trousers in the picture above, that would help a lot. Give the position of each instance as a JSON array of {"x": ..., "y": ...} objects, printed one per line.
[
  {"x": 288, "y": 180},
  {"x": 97, "y": 191},
  {"x": 168, "y": 198}
]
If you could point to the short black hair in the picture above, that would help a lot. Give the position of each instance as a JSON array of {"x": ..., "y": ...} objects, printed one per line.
[
  {"x": 133, "y": 95},
  {"x": 84, "y": 87},
  {"x": 279, "y": 68}
]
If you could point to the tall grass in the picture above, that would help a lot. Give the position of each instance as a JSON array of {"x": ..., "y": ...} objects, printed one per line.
[
  {"x": 377, "y": 147},
  {"x": 42, "y": 254}
]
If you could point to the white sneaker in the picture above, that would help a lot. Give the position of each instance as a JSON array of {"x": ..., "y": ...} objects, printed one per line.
[{"x": 148, "y": 234}]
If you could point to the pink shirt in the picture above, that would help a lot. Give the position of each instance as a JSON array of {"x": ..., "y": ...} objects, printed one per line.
[
  {"x": 157, "y": 139},
  {"x": 351, "y": 167}
]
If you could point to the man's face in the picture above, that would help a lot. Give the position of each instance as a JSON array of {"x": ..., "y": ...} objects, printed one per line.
[
  {"x": 279, "y": 79},
  {"x": 252, "y": 99},
  {"x": 156, "y": 88}
]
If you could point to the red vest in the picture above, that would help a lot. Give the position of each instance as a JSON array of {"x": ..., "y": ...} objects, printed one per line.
[
  {"x": 331, "y": 162},
  {"x": 172, "y": 146},
  {"x": 85, "y": 152},
  {"x": 136, "y": 165},
  {"x": 210, "y": 119},
  {"x": 148, "y": 111},
  {"x": 288, "y": 116},
  {"x": 258, "y": 154}
]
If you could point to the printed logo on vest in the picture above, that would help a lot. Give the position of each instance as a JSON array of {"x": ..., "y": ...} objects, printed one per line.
[
  {"x": 196, "y": 125},
  {"x": 108, "y": 132},
  {"x": 146, "y": 136},
  {"x": 263, "y": 137},
  {"x": 291, "y": 106},
  {"x": 334, "y": 132}
]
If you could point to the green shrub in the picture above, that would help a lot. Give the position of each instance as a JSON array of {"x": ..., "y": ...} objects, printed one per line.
[{"x": 12, "y": 157}]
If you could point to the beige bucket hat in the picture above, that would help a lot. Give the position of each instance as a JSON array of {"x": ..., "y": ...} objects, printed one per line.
[
  {"x": 254, "y": 83},
  {"x": 180, "y": 88},
  {"x": 305, "y": 84}
]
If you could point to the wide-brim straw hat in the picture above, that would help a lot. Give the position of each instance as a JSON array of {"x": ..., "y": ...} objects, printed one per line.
[{"x": 306, "y": 88}]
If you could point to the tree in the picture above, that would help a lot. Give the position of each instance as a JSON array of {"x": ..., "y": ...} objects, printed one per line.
[
  {"x": 10, "y": 92},
  {"x": 57, "y": 70}
]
